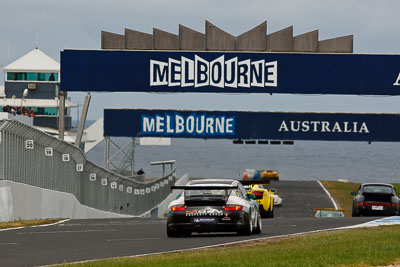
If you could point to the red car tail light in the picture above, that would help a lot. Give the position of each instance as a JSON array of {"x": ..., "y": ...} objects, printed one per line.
[
  {"x": 233, "y": 207},
  {"x": 359, "y": 203},
  {"x": 395, "y": 204},
  {"x": 178, "y": 208}
]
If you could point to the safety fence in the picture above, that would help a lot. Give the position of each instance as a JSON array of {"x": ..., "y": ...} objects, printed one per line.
[{"x": 32, "y": 157}]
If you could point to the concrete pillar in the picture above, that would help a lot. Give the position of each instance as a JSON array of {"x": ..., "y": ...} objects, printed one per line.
[
  {"x": 111, "y": 40},
  {"x": 190, "y": 39},
  {"x": 307, "y": 42},
  {"x": 254, "y": 39},
  {"x": 138, "y": 40},
  {"x": 280, "y": 41},
  {"x": 164, "y": 40},
  {"x": 61, "y": 114},
  {"x": 81, "y": 127},
  {"x": 342, "y": 44},
  {"x": 218, "y": 40}
]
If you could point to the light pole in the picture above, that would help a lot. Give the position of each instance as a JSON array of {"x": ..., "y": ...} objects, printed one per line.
[{"x": 24, "y": 94}]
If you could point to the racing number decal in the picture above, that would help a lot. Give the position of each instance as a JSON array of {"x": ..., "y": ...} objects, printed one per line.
[
  {"x": 29, "y": 144},
  {"x": 65, "y": 157},
  {"x": 48, "y": 151},
  {"x": 79, "y": 167},
  {"x": 92, "y": 177}
]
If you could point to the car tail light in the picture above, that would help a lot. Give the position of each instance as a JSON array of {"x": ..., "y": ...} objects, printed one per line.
[
  {"x": 258, "y": 193},
  {"x": 395, "y": 204},
  {"x": 359, "y": 203},
  {"x": 233, "y": 207},
  {"x": 178, "y": 208}
]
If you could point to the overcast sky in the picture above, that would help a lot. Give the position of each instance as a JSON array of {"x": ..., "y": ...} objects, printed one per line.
[{"x": 77, "y": 24}]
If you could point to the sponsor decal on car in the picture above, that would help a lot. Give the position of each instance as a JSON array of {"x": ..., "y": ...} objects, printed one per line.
[
  {"x": 226, "y": 218},
  {"x": 204, "y": 212}
]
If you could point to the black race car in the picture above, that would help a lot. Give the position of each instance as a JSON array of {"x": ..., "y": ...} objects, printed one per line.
[
  {"x": 375, "y": 199},
  {"x": 213, "y": 205}
]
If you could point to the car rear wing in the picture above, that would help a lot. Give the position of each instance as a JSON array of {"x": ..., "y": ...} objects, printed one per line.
[
  {"x": 218, "y": 200},
  {"x": 201, "y": 187}
]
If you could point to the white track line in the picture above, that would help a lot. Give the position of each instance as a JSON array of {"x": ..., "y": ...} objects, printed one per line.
[
  {"x": 51, "y": 224},
  {"x": 329, "y": 195},
  {"x": 43, "y": 225},
  {"x": 15, "y": 228},
  {"x": 134, "y": 239},
  {"x": 62, "y": 232},
  {"x": 230, "y": 243},
  {"x": 112, "y": 224}
]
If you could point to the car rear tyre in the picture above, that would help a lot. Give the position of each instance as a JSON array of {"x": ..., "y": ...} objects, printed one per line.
[
  {"x": 172, "y": 233},
  {"x": 259, "y": 225},
  {"x": 270, "y": 213},
  {"x": 249, "y": 227},
  {"x": 263, "y": 212},
  {"x": 355, "y": 213}
]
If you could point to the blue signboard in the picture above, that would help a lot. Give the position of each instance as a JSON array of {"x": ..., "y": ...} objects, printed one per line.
[
  {"x": 251, "y": 125},
  {"x": 229, "y": 72}
]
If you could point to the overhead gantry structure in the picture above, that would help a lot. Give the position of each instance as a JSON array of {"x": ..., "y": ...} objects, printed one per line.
[{"x": 216, "y": 39}]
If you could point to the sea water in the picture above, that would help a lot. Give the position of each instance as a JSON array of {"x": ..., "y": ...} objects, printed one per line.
[{"x": 304, "y": 160}]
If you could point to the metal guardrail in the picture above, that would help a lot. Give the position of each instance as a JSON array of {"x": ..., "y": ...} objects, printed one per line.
[{"x": 30, "y": 156}]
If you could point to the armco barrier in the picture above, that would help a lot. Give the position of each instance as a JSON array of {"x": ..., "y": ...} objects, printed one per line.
[{"x": 30, "y": 156}]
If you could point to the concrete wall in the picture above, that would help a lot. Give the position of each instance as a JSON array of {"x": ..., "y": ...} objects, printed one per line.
[
  {"x": 111, "y": 40},
  {"x": 138, "y": 40},
  {"x": 6, "y": 204},
  {"x": 307, "y": 42},
  {"x": 161, "y": 210},
  {"x": 164, "y": 40},
  {"x": 190, "y": 39},
  {"x": 336, "y": 45},
  {"x": 253, "y": 40},
  {"x": 280, "y": 41},
  {"x": 21, "y": 201},
  {"x": 217, "y": 39}
]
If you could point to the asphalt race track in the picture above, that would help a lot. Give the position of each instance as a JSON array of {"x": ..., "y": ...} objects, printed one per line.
[
  {"x": 78, "y": 240},
  {"x": 300, "y": 198}
]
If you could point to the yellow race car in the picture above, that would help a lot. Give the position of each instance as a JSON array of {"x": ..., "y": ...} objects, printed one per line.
[{"x": 265, "y": 199}]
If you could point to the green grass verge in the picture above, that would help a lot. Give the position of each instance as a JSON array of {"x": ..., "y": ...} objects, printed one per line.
[
  {"x": 397, "y": 186},
  {"x": 340, "y": 191},
  {"x": 25, "y": 223},
  {"x": 361, "y": 247}
]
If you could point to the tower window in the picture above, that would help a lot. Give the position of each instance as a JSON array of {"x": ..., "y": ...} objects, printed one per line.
[{"x": 32, "y": 76}]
